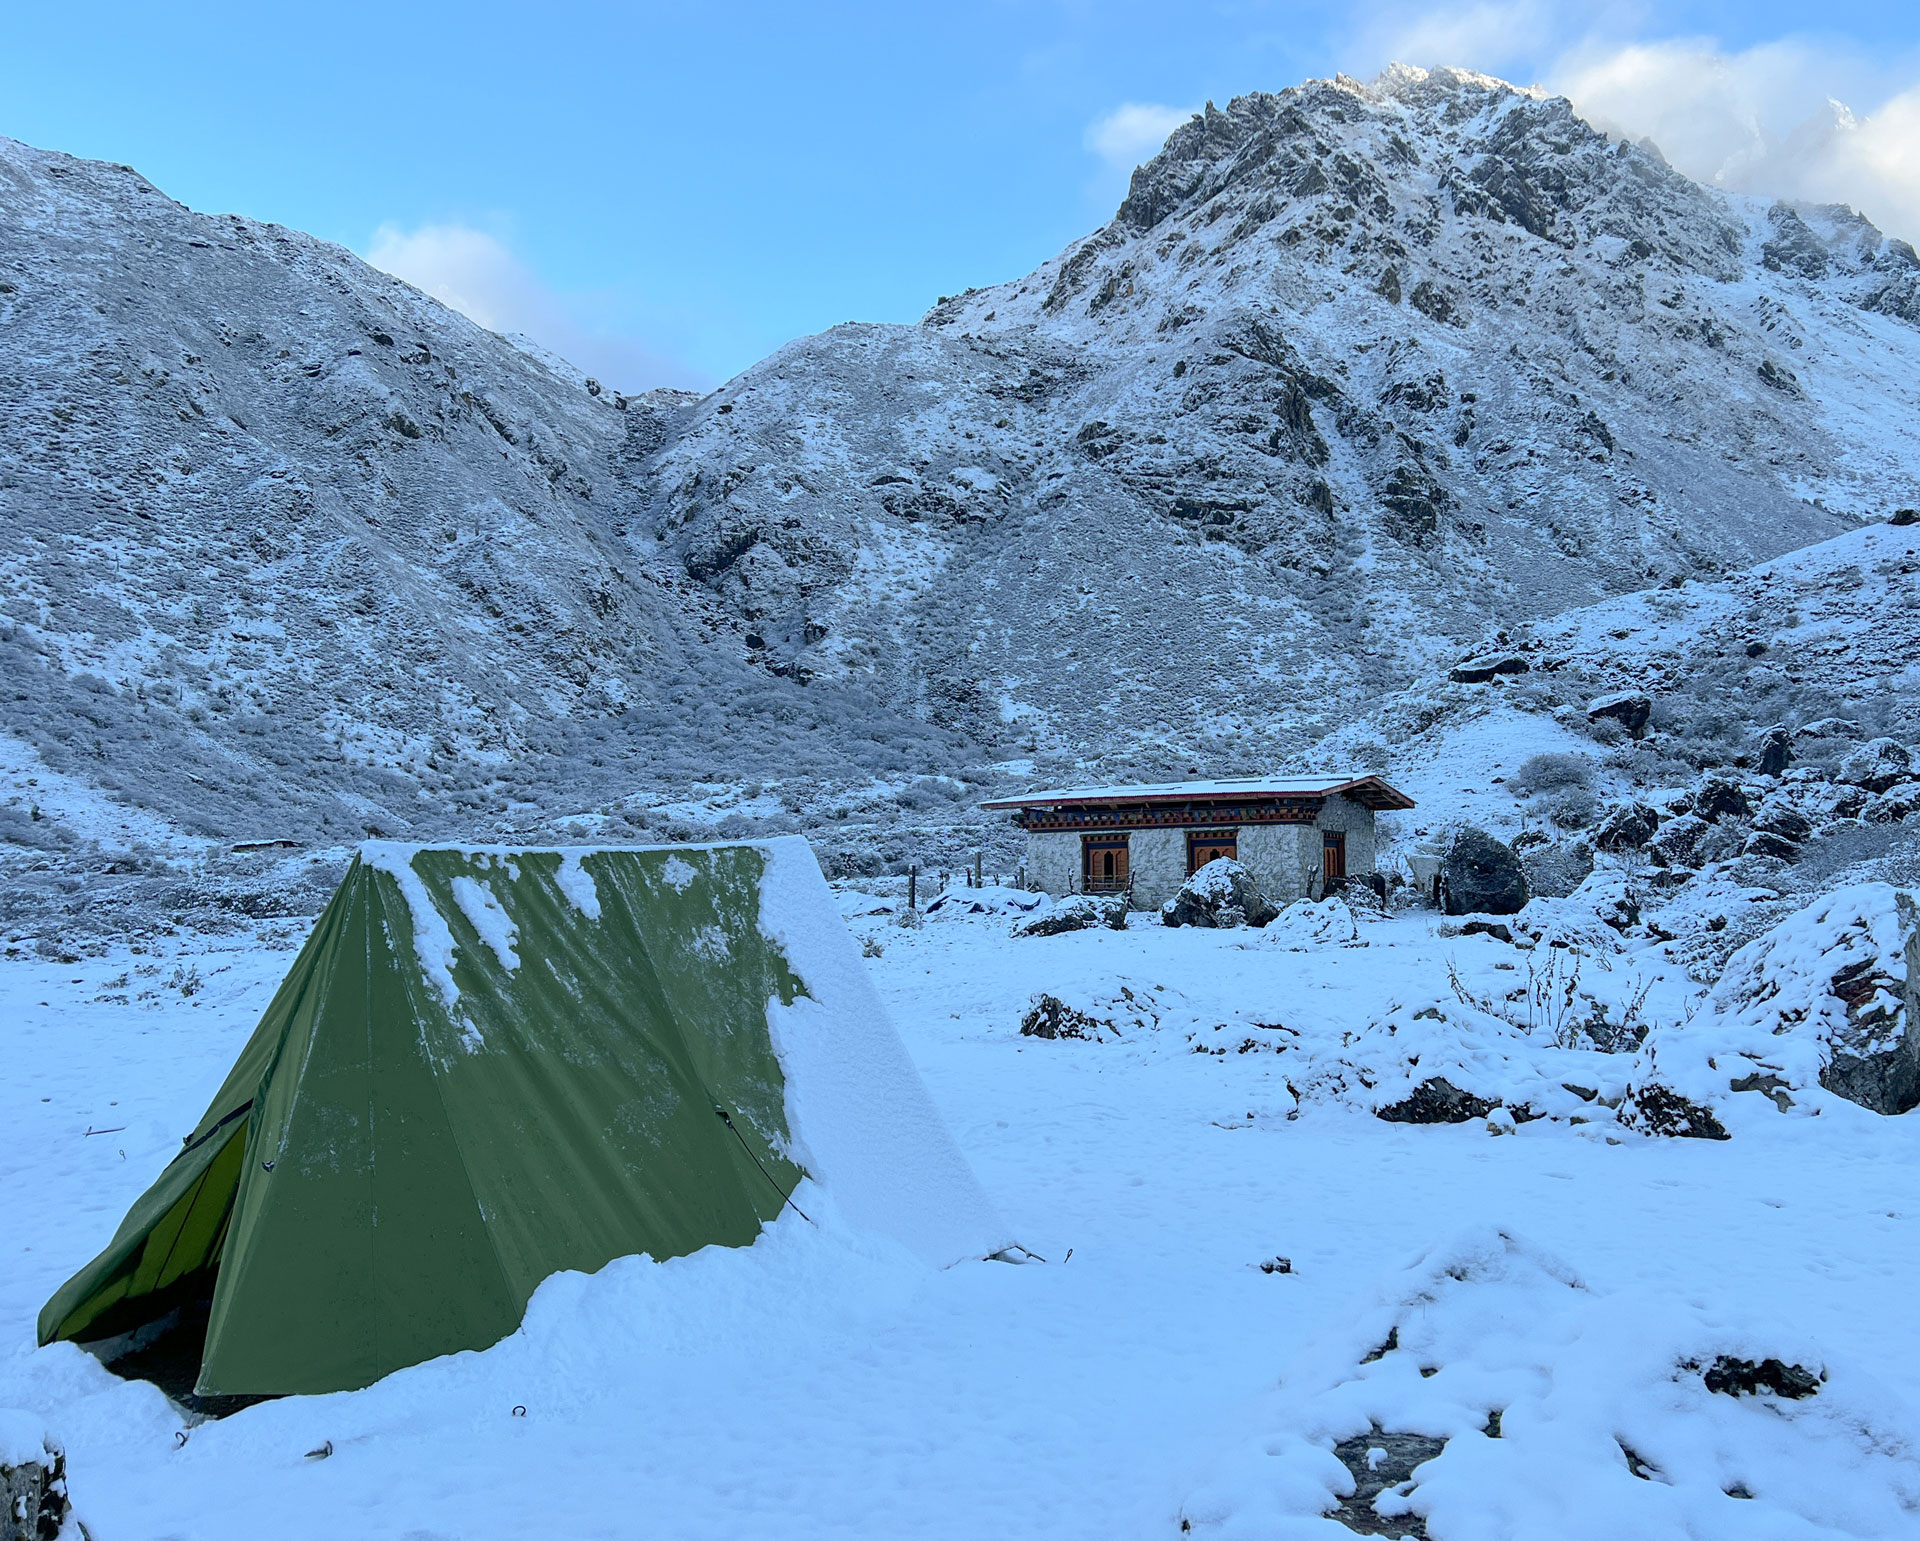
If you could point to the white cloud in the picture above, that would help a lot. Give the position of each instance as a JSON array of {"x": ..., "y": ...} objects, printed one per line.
[
  {"x": 1769, "y": 120},
  {"x": 1492, "y": 36},
  {"x": 1133, "y": 132},
  {"x": 478, "y": 275}
]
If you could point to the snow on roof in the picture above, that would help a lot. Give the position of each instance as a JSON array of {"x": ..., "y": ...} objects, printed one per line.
[{"x": 1373, "y": 791}]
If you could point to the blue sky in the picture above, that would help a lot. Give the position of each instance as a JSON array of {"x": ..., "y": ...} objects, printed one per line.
[{"x": 667, "y": 193}]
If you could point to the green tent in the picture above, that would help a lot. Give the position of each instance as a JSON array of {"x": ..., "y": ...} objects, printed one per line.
[{"x": 489, "y": 1065}]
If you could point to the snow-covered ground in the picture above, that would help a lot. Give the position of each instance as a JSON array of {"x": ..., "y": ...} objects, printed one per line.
[{"x": 1149, "y": 1373}]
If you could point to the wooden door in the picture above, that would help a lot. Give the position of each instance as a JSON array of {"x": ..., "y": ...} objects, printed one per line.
[{"x": 1333, "y": 856}]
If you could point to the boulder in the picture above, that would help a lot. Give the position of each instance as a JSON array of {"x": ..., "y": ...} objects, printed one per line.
[
  {"x": 1838, "y": 979},
  {"x": 1482, "y": 877},
  {"x": 1478, "y": 671},
  {"x": 1629, "y": 708},
  {"x": 1657, "y": 1109},
  {"x": 1223, "y": 894},
  {"x": 1877, "y": 765},
  {"x": 1678, "y": 843},
  {"x": 1893, "y": 806},
  {"x": 1784, "y": 820},
  {"x": 33, "y": 1481},
  {"x": 1080, "y": 912},
  {"x": 1765, "y": 843},
  {"x": 1626, "y": 827},
  {"x": 1436, "y": 1101},
  {"x": 1717, "y": 798},
  {"x": 1774, "y": 753}
]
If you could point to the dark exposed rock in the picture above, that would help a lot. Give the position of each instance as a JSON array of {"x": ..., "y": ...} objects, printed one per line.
[
  {"x": 1492, "y": 928},
  {"x": 1656, "y": 1108},
  {"x": 1629, "y": 708},
  {"x": 1717, "y": 798},
  {"x": 1904, "y": 517},
  {"x": 1222, "y": 893},
  {"x": 1733, "y": 1377},
  {"x": 35, "y": 1495},
  {"x": 1477, "y": 671},
  {"x": 1893, "y": 806},
  {"x": 1430, "y": 299},
  {"x": 1481, "y": 876},
  {"x": 1373, "y": 1475},
  {"x": 1436, "y": 1101},
  {"x": 1875, "y": 1058},
  {"x": 1626, "y": 827},
  {"x": 1847, "y": 969},
  {"x": 1050, "y": 1017},
  {"x": 1775, "y": 750},
  {"x": 1794, "y": 247},
  {"x": 1765, "y": 843},
  {"x": 1785, "y": 821}
]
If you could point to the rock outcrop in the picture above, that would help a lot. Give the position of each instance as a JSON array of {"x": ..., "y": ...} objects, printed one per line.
[{"x": 1482, "y": 876}]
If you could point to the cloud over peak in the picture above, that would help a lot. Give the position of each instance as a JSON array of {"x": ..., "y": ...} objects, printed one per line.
[
  {"x": 477, "y": 274},
  {"x": 1133, "y": 132}
]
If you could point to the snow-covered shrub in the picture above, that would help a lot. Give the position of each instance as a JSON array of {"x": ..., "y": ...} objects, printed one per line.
[
  {"x": 1556, "y": 870},
  {"x": 1574, "y": 808},
  {"x": 1308, "y": 923},
  {"x": 1551, "y": 773}
]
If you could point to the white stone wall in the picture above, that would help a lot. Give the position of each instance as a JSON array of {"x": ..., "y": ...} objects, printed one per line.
[
  {"x": 1053, "y": 862},
  {"x": 1271, "y": 855},
  {"x": 1159, "y": 865}
]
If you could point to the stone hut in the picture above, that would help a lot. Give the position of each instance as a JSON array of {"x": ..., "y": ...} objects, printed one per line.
[{"x": 1297, "y": 835}]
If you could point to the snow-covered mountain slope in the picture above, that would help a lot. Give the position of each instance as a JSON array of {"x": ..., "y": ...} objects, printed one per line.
[
  {"x": 1355, "y": 369},
  {"x": 289, "y": 550},
  {"x": 1822, "y": 641},
  {"x": 1357, "y": 374}
]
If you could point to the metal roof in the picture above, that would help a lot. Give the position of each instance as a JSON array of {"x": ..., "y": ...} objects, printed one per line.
[{"x": 1369, "y": 791}]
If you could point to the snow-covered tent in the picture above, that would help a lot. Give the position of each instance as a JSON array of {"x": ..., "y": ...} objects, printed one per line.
[{"x": 489, "y": 1065}]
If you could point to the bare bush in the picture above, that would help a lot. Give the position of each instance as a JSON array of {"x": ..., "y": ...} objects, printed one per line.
[{"x": 1551, "y": 773}]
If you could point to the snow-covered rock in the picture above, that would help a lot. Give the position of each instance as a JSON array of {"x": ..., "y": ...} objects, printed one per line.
[
  {"x": 1221, "y": 894},
  {"x": 1825, "y": 1000},
  {"x": 1449, "y": 1062},
  {"x": 1629, "y": 708},
  {"x": 1877, "y": 765},
  {"x": 1075, "y": 912},
  {"x": 33, "y": 1480}
]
